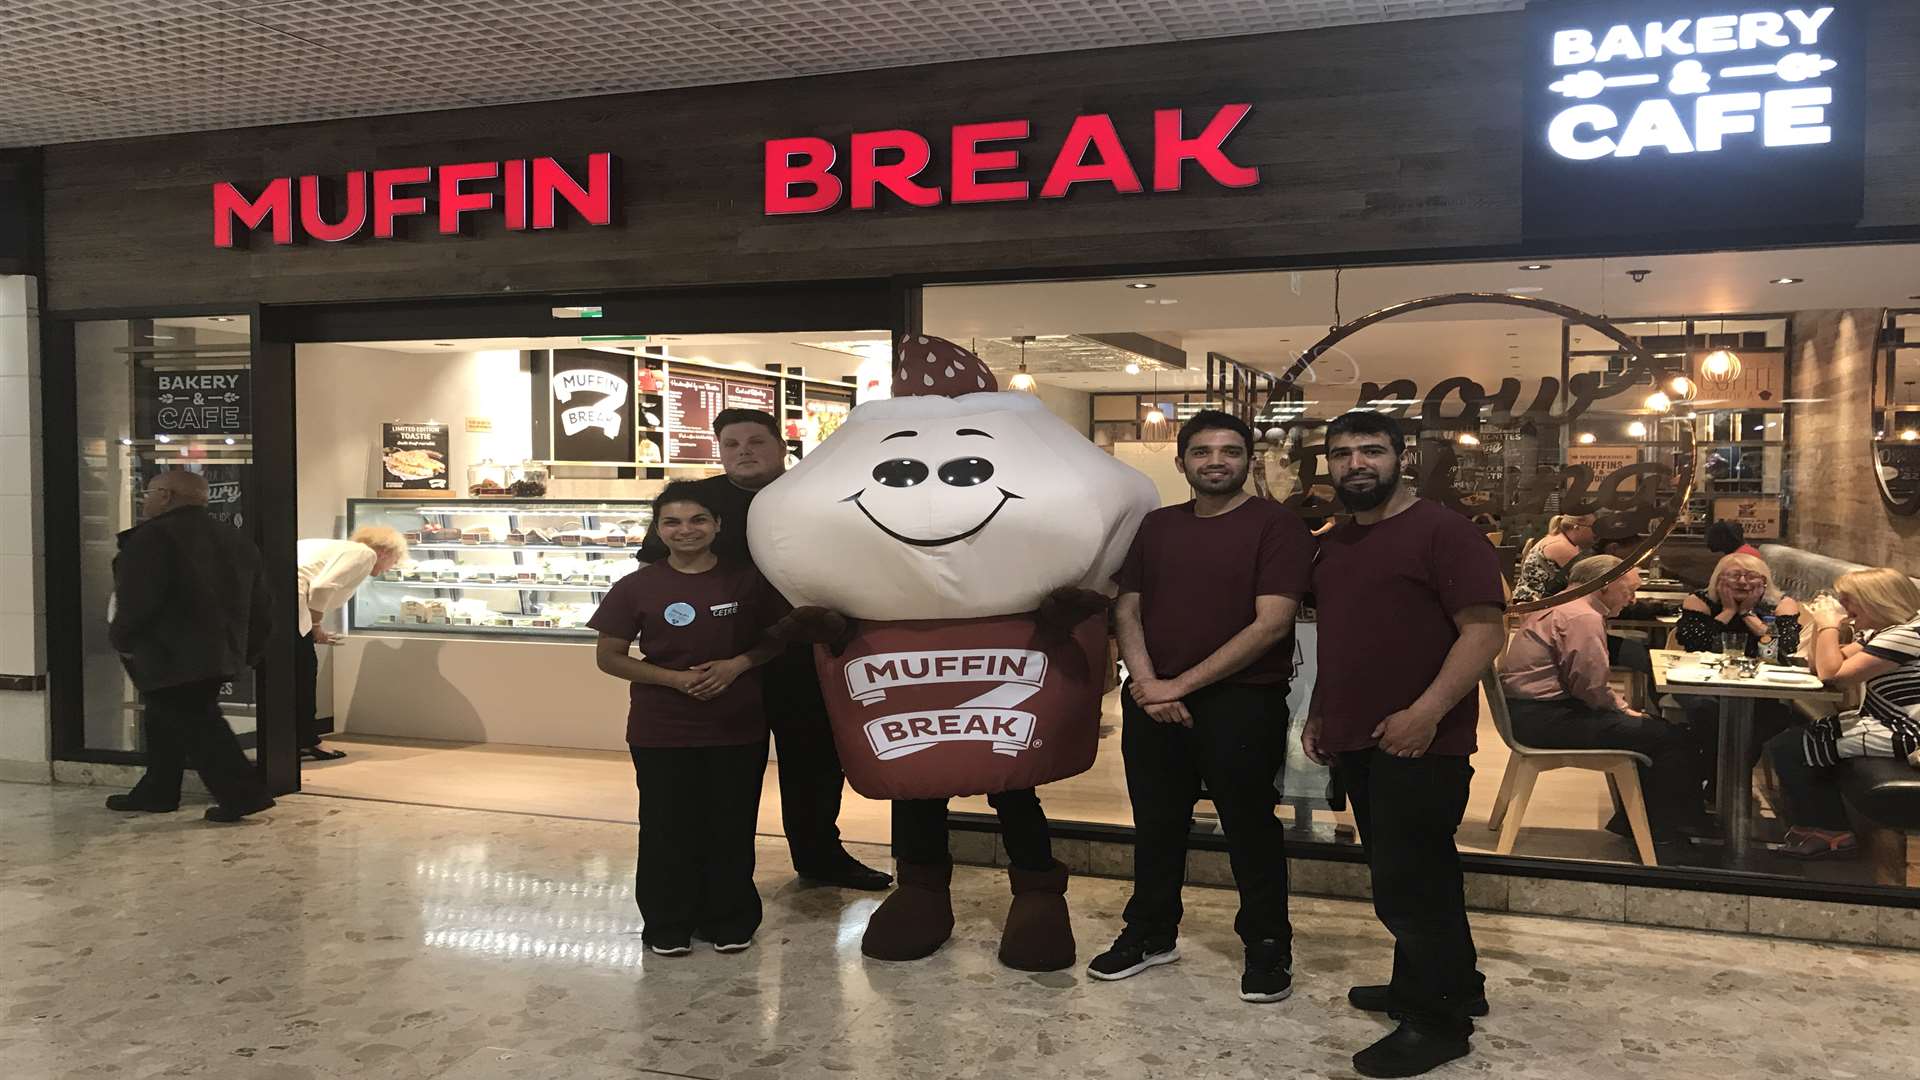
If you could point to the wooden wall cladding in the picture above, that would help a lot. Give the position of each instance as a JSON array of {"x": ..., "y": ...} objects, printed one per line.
[{"x": 1396, "y": 137}]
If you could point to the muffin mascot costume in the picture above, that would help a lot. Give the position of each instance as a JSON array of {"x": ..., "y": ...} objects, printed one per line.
[{"x": 949, "y": 552}]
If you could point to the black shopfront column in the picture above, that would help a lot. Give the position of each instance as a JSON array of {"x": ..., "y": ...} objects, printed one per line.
[{"x": 275, "y": 462}]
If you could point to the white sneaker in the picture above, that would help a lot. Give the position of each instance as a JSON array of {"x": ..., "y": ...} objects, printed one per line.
[
  {"x": 733, "y": 947},
  {"x": 670, "y": 950}
]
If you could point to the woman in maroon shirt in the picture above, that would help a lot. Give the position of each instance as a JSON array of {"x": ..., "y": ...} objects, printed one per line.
[{"x": 695, "y": 727}]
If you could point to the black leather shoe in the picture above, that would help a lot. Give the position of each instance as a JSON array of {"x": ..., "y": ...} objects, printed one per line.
[
  {"x": 851, "y": 874},
  {"x": 1380, "y": 999},
  {"x": 226, "y": 815},
  {"x": 127, "y": 804},
  {"x": 1409, "y": 1052}
]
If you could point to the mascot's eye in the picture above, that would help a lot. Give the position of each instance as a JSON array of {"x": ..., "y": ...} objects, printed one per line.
[
  {"x": 966, "y": 472},
  {"x": 902, "y": 472}
]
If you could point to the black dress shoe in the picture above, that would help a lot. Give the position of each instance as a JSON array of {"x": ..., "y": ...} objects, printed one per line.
[
  {"x": 851, "y": 874},
  {"x": 229, "y": 814},
  {"x": 1380, "y": 999},
  {"x": 128, "y": 804},
  {"x": 1409, "y": 1051}
]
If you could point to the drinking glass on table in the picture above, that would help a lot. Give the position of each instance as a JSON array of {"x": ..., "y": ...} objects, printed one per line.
[{"x": 1733, "y": 647}]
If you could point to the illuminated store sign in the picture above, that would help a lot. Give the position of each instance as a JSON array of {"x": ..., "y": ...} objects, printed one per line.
[{"x": 1649, "y": 116}]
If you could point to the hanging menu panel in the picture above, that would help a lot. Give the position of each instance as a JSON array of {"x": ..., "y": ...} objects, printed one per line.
[{"x": 692, "y": 403}]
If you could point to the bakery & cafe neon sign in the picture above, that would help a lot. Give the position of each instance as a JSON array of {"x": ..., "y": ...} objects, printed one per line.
[{"x": 526, "y": 193}]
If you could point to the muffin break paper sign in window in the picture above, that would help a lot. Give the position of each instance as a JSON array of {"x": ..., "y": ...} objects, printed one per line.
[{"x": 1652, "y": 116}]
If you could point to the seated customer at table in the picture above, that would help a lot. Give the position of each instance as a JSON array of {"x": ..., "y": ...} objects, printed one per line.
[
  {"x": 1883, "y": 608},
  {"x": 1739, "y": 599},
  {"x": 1544, "y": 571},
  {"x": 1555, "y": 679}
]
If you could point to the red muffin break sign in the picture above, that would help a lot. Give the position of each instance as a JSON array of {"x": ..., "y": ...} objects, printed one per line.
[{"x": 993, "y": 703}]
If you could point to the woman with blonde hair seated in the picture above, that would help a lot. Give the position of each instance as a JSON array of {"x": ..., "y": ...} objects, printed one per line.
[
  {"x": 330, "y": 570},
  {"x": 1740, "y": 599},
  {"x": 1544, "y": 571},
  {"x": 1882, "y": 608}
]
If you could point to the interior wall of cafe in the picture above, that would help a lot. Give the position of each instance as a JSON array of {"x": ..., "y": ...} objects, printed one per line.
[
  {"x": 23, "y": 654},
  {"x": 1837, "y": 509}
]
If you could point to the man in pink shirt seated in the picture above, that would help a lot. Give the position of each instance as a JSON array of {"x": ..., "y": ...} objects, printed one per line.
[{"x": 1555, "y": 678}]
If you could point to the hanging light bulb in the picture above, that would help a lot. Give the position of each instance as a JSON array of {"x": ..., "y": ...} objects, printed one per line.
[
  {"x": 1585, "y": 438},
  {"x": 1721, "y": 368},
  {"x": 1155, "y": 416},
  {"x": 1909, "y": 435},
  {"x": 1681, "y": 388},
  {"x": 1468, "y": 438},
  {"x": 1637, "y": 429},
  {"x": 1658, "y": 402},
  {"x": 1022, "y": 381}
]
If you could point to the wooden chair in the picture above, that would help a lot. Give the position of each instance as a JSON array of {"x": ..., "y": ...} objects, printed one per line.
[{"x": 1527, "y": 763}]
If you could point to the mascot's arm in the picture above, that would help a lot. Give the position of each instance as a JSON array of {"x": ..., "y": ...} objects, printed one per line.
[
  {"x": 815, "y": 626},
  {"x": 1067, "y": 607}
]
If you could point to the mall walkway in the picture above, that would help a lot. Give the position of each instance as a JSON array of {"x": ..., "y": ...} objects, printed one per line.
[{"x": 341, "y": 940}]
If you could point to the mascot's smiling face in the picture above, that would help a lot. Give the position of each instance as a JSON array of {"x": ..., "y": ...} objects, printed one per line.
[{"x": 938, "y": 508}]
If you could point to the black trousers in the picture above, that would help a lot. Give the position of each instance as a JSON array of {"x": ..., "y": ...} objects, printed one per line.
[
  {"x": 811, "y": 780},
  {"x": 1811, "y": 792},
  {"x": 306, "y": 693},
  {"x": 1236, "y": 746},
  {"x": 698, "y": 808},
  {"x": 920, "y": 830},
  {"x": 183, "y": 724},
  {"x": 1408, "y": 810},
  {"x": 1672, "y": 784}
]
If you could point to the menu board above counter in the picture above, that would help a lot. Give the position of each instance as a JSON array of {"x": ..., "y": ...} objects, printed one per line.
[{"x": 692, "y": 403}]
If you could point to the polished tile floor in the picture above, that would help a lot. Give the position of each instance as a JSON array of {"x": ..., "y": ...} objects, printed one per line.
[{"x": 334, "y": 939}]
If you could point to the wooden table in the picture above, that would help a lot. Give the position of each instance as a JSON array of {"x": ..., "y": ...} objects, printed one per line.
[{"x": 1735, "y": 775}]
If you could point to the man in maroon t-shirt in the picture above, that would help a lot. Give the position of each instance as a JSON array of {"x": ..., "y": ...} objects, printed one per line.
[
  {"x": 1408, "y": 599},
  {"x": 1205, "y": 619}
]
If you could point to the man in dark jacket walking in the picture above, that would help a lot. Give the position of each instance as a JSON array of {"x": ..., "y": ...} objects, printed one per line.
[{"x": 191, "y": 611}]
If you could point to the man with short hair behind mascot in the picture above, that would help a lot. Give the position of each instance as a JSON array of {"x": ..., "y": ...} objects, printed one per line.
[{"x": 951, "y": 549}]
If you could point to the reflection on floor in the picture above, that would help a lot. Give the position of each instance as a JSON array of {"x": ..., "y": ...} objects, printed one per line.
[
  {"x": 1564, "y": 820},
  {"x": 337, "y": 940}
]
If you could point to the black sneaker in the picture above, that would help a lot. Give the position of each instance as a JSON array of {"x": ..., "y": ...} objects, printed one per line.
[
  {"x": 1269, "y": 973},
  {"x": 227, "y": 815},
  {"x": 1378, "y": 998},
  {"x": 1409, "y": 1051},
  {"x": 131, "y": 803},
  {"x": 1131, "y": 955}
]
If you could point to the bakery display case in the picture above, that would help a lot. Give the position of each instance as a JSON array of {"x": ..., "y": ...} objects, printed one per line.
[{"x": 497, "y": 567}]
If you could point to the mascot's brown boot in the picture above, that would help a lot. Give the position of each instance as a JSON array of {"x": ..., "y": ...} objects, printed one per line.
[
  {"x": 1039, "y": 935},
  {"x": 916, "y": 918}
]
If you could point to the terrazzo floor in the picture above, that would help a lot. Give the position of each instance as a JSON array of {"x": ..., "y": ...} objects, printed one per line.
[{"x": 333, "y": 939}]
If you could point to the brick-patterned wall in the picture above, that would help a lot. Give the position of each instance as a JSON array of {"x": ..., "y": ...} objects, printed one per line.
[{"x": 1837, "y": 509}]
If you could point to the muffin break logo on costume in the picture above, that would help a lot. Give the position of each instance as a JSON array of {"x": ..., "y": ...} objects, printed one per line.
[{"x": 988, "y": 718}]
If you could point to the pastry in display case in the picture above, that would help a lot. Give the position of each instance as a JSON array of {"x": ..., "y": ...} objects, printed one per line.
[{"x": 498, "y": 566}]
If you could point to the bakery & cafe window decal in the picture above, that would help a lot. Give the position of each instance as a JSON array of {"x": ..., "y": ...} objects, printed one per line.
[
  {"x": 590, "y": 403},
  {"x": 195, "y": 401},
  {"x": 1647, "y": 116},
  {"x": 413, "y": 457}
]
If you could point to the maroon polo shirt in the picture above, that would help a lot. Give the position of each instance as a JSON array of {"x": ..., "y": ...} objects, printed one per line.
[
  {"x": 680, "y": 620},
  {"x": 1385, "y": 596},
  {"x": 1197, "y": 577}
]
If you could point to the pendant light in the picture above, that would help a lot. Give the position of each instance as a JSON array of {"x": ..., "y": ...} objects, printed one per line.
[
  {"x": 1154, "y": 415},
  {"x": 1022, "y": 380},
  {"x": 1721, "y": 368}
]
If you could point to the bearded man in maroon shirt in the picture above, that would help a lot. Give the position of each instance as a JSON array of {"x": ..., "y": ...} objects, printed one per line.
[{"x": 1409, "y": 600}]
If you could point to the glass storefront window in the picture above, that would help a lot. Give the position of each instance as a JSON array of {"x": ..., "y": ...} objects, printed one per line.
[
  {"x": 1749, "y": 385},
  {"x": 154, "y": 394}
]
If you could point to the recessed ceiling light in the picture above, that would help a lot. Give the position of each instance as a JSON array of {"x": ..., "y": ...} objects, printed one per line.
[
  {"x": 1787, "y": 280},
  {"x": 1163, "y": 302},
  {"x": 444, "y": 344},
  {"x": 1133, "y": 369},
  {"x": 1526, "y": 289},
  {"x": 1141, "y": 285},
  {"x": 221, "y": 318},
  {"x": 1537, "y": 266}
]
